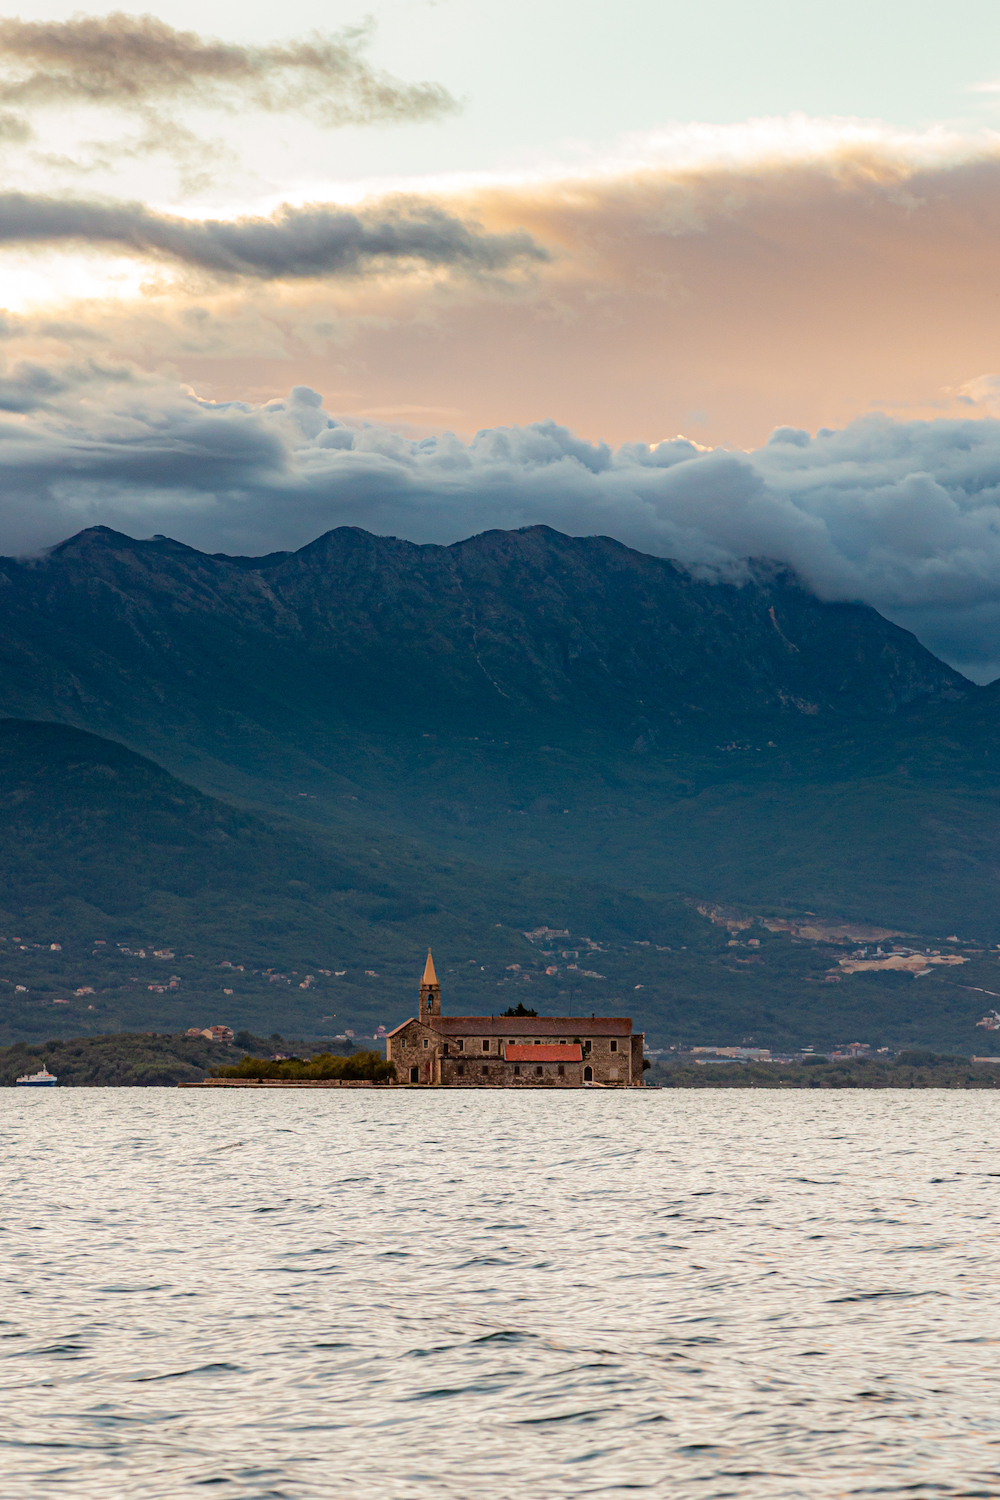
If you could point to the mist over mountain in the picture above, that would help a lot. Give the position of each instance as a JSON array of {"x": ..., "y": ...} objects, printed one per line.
[{"x": 901, "y": 515}]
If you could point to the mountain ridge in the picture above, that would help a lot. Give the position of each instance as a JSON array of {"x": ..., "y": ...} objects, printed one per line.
[
  {"x": 534, "y": 702},
  {"x": 496, "y": 626}
]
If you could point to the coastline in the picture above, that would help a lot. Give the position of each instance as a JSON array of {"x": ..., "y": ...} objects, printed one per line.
[
  {"x": 916, "y": 1069},
  {"x": 281, "y": 1083}
]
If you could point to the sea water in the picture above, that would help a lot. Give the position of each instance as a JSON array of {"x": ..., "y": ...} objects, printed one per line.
[{"x": 491, "y": 1295}]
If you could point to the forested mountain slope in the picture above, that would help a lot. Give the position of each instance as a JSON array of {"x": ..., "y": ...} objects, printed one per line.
[{"x": 132, "y": 901}]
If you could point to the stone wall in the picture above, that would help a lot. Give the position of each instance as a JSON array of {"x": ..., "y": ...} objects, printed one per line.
[
  {"x": 416, "y": 1046},
  {"x": 608, "y": 1066},
  {"x": 638, "y": 1041},
  {"x": 494, "y": 1072}
]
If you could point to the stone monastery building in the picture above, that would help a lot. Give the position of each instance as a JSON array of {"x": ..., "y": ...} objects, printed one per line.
[{"x": 513, "y": 1051}]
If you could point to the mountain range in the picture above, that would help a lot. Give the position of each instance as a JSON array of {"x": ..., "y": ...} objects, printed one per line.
[
  {"x": 597, "y": 726},
  {"x": 506, "y": 633}
]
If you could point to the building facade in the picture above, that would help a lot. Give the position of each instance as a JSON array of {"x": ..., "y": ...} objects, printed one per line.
[{"x": 512, "y": 1051}]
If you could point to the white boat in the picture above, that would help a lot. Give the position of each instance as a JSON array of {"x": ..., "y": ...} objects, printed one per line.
[{"x": 38, "y": 1080}]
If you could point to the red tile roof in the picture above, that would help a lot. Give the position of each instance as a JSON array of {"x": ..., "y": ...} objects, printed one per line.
[{"x": 543, "y": 1054}]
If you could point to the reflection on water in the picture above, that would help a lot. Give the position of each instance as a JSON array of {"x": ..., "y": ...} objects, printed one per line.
[{"x": 497, "y": 1295}]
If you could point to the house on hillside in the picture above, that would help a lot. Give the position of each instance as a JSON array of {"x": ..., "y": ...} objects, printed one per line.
[{"x": 512, "y": 1051}]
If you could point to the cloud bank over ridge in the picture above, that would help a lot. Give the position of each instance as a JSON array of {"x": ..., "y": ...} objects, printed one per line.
[{"x": 902, "y": 515}]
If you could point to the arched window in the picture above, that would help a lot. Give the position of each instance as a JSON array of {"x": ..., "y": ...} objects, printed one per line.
[{"x": 588, "y": 1075}]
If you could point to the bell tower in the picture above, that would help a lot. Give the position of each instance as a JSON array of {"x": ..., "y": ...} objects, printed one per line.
[{"x": 430, "y": 991}]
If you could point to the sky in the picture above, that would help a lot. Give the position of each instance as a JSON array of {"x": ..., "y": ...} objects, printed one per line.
[{"x": 720, "y": 281}]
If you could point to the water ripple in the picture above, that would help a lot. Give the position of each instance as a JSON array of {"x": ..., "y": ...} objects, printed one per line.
[{"x": 421, "y": 1296}]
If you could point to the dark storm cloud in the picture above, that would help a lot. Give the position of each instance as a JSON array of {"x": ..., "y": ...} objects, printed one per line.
[
  {"x": 140, "y": 63},
  {"x": 903, "y": 515},
  {"x": 316, "y": 240}
]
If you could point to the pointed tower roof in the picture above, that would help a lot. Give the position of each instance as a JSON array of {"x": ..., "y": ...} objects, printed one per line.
[{"x": 429, "y": 975}]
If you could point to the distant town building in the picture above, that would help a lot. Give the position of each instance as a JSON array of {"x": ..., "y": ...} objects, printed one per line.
[
  {"x": 512, "y": 1051},
  {"x": 849, "y": 1049},
  {"x": 740, "y": 1054}
]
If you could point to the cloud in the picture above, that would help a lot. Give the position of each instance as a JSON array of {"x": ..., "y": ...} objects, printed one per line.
[
  {"x": 723, "y": 295},
  {"x": 135, "y": 63},
  {"x": 147, "y": 70},
  {"x": 902, "y": 515},
  {"x": 801, "y": 278},
  {"x": 316, "y": 240}
]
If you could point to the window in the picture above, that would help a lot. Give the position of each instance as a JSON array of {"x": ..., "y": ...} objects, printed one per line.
[
  {"x": 511, "y": 1042},
  {"x": 588, "y": 1075},
  {"x": 486, "y": 1046},
  {"x": 460, "y": 1071},
  {"x": 537, "y": 1042},
  {"x": 613, "y": 1073},
  {"x": 562, "y": 1071},
  {"x": 587, "y": 1046},
  {"x": 426, "y": 1042},
  {"x": 485, "y": 1068},
  {"x": 562, "y": 1041},
  {"x": 414, "y": 1075},
  {"x": 614, "y": 1046},
  {"x": 444, "y": 1049},
  {"x": 517, "y": 1071},
  {"x": 539, "y": 1071},
  {"x": 460, "y": 1045}
]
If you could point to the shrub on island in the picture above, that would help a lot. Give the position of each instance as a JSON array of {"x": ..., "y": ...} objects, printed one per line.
[{"x": 362, "y": 1066}]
